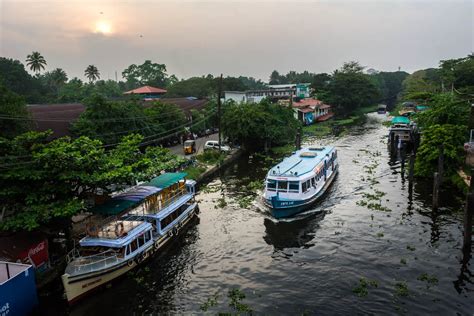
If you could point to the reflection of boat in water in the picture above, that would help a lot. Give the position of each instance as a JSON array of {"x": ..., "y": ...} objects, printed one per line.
[
  {"x": 300, "y": 180},
  {"x": 154, "y": 214},
  {"x": 296, "y": 233}
]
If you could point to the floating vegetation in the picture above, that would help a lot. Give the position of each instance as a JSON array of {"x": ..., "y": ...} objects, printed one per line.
[
  {"x": 403, "y": 261},
  {"x": 401, "y": 289},
  {"x": 211, "y": 302},
  {"x": 236, "y": 296},
  {"x": 362, "y": 289},
  {"x": 380, "y": 235},
  {"x": 209, "y": 189},
  {"x": 245, "y": 201},
  {"x": 430, "y": 279},
  {"x": 411, "y": 248},
  {"x": 221, "y": 202},
  {"x": 255, "y": 186}
]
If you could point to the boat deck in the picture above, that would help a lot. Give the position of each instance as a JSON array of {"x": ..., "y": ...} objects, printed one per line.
[{"x": 9, "y": 270}]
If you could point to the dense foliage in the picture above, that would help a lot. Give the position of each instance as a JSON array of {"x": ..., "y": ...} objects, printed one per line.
[
  {"x": 350, "y": 89},
  {"x": 42, "y": 180},
  {"x": 13, "y": 113},
  {"x": 260, "y": 125},
  {"x": 110, "y": 121}
]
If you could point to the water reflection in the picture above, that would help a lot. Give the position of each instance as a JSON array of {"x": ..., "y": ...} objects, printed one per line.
[{"x": 298, "y": 233}]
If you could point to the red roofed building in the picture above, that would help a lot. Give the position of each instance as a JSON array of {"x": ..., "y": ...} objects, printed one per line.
[
  {"x": 148, "y": 92},
  {"x": 309, "y": 110}
]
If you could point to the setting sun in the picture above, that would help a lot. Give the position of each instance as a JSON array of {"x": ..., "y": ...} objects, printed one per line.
[{"x": 103, "y": 27}]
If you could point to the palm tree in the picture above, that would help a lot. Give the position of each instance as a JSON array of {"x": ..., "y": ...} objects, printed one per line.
[
  {"x": 92, "y": 73},
  {"x": 35, "y": 61}
]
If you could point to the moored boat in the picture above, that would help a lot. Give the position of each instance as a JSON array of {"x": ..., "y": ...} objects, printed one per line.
[
  {"x": 400, "y": 130},
  {"x": 155, "y": 213},
  {"x": 300, "y": 180}
]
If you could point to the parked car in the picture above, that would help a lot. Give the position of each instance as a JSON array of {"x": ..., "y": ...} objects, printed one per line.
[{"x": 214, "y": 144}]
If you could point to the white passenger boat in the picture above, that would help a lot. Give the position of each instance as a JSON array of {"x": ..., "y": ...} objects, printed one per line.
[
  {"x": 154, "y": 214},
  {"x": 299, "y": 180}
]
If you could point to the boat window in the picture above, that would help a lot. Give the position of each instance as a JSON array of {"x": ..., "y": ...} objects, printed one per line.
[
  {"x": 127, "y": 250},
  {"x": 312, "y": 182},
  {"x": 141, "y": 240},
  {"x": 294, "y": 186},
  {"x": 165, "y": 222},
  {"x": 282, "y": 186},
  {"x": 271, "y": 185},
  {"x": 133, "y": 245},
  {"x": 308, "y": 184},
  {"x": 304, "y": 188}
]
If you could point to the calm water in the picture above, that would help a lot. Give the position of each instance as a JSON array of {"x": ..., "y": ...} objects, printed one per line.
[{"x": 310, "y": 264}]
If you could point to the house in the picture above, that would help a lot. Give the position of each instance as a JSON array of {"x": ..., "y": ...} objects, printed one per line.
[
  {"x": 274, "y": 93},
  {"x": 310, "y": 110},
  {"x": 147, "y": 92}
]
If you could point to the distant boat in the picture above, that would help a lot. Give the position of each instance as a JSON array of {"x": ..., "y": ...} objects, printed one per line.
[
  {"x": 400, "y": 130},
  {"x": 300, "y": 180},
  {"x": 382, "y": 109},
  {"x": 158, "y": 211}
]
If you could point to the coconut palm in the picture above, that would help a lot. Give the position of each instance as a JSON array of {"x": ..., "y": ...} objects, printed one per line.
[
  {"x": 35, "y": 61},
  {"x": 92, "y": 73}
]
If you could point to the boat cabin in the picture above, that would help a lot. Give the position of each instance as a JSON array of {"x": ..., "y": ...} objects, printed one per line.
[
  {"x": 304, "y": 172},
  {"x": 116, "y": 241}
]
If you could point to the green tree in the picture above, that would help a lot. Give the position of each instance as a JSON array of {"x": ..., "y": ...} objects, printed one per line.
[
  {"x": 148, "y": 73},
  {"x": 199, "y": 87},
  {"x": 259, "y": 126},
  {"x": 458, "y": 74},
  {"x": 13, "y": 114},
  {"x": 92, "y": 73},
  {"x": 426, "y": 80},
  {"x": 165, "y": 118},
  {"x": 350, "y": 89},
  {"x": 51, "y": 180},
  {"x": 445, "y": 108},
  {"x": 36, "y": 62},
  {"x": 110, "y": 121},
  {"x": 71, "y": 91},
  {"x": 15, "y": 78}
]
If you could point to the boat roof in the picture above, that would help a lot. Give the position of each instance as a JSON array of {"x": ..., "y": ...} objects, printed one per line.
[
  {"x": 167, "y": 179},
  {"x": 107, "y": 238},
  {"x": 400, "y": 120},
  {"x": 168, "y": 209},
  {"x": 301, "y": 162}
]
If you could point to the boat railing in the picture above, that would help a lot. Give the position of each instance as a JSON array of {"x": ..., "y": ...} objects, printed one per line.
[
  {"x": 179, "y": 193},
  {"x": 101, "y": 228},
  {"x": 84, "y": 264}
]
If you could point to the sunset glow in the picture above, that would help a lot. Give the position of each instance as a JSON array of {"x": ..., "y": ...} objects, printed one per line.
[{"x": 103, "y": 28}]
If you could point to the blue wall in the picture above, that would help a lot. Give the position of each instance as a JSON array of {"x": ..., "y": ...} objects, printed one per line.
[{"x": 18, "y": 295}]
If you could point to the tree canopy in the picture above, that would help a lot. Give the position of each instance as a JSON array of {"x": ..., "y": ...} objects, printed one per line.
[
  {"x": 53, "y": 179},
  {"x": 260, "y": 125},
  {"x": 13, "y": 113},
  {"x": 148, "y": 73}
]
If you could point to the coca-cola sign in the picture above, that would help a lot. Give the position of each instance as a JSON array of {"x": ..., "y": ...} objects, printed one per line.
[{"x": 37, "y": 254}]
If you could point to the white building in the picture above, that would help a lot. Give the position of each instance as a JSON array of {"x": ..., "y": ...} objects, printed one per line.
[{"x": 274, "y": 92}]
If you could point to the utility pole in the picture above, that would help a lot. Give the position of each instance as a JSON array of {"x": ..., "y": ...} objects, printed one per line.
[{"x": 219, "y": 93}]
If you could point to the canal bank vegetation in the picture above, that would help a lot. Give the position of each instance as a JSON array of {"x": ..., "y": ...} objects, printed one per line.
[
  {"x": 448, "y": 92},
  {"x": 259, "y": 126},
  {"x": 44, "y": 182}
]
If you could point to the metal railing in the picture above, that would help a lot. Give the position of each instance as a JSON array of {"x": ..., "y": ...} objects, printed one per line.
[{"x": 85, "y": 264}]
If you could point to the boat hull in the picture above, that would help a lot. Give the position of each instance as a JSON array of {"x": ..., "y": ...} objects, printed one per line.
[{"x": 284, "y": 208}]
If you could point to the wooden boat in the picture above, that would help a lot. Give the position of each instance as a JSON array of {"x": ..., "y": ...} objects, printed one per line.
[
  {"x": 400, "y": 130},
  {"x": 382, "y": 109},
  {"x": 119, "y": 245},
  {"x": 299, "y": 180}
]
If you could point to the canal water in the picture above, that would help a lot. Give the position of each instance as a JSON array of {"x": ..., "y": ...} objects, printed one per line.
[{"x": 371, "y": 246}]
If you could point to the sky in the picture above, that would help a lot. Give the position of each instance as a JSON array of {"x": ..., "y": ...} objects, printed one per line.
[{"x": 246, "y": 37}]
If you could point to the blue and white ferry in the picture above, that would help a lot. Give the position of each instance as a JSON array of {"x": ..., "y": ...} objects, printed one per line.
[
  {"x": 148, "y": 216},
  {"x": 299, "y": 180}
]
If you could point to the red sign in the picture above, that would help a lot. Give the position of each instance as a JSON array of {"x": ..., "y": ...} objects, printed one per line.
[{"x": 37, "y": 254}]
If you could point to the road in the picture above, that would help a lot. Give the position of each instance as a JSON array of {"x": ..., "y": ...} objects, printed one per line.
[{"x": 178, "y": 149}]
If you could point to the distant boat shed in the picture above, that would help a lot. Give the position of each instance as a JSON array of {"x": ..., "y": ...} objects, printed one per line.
[{"x": 147, "y": 92}]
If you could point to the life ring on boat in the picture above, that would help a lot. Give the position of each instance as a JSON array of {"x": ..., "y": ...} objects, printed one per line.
[
  {"x": 119, "y": 229},
  {"x": 131, "y": 262},
  {"x": 156, "y": 245},
  {"x": 196, "y": 210},
  {"x": 170, "y": 233},
  {"x": 92, "y": 230},
  {"x": 175, "y": 231},
  {"x": 144, "y": 256}
]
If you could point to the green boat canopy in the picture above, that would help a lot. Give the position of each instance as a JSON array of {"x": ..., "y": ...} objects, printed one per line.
[
  {"x": 167, "y": 179},
  {"x": 400, "y": 120},
  {"x": 113, "y": 207},
  {"x": 421, "y": 107}
]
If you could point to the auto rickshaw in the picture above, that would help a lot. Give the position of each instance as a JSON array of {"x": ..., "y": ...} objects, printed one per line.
[{"x": 189, "y": 147}]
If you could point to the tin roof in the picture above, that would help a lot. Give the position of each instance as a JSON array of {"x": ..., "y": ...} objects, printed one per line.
[{"x": 167, "y": 179}]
